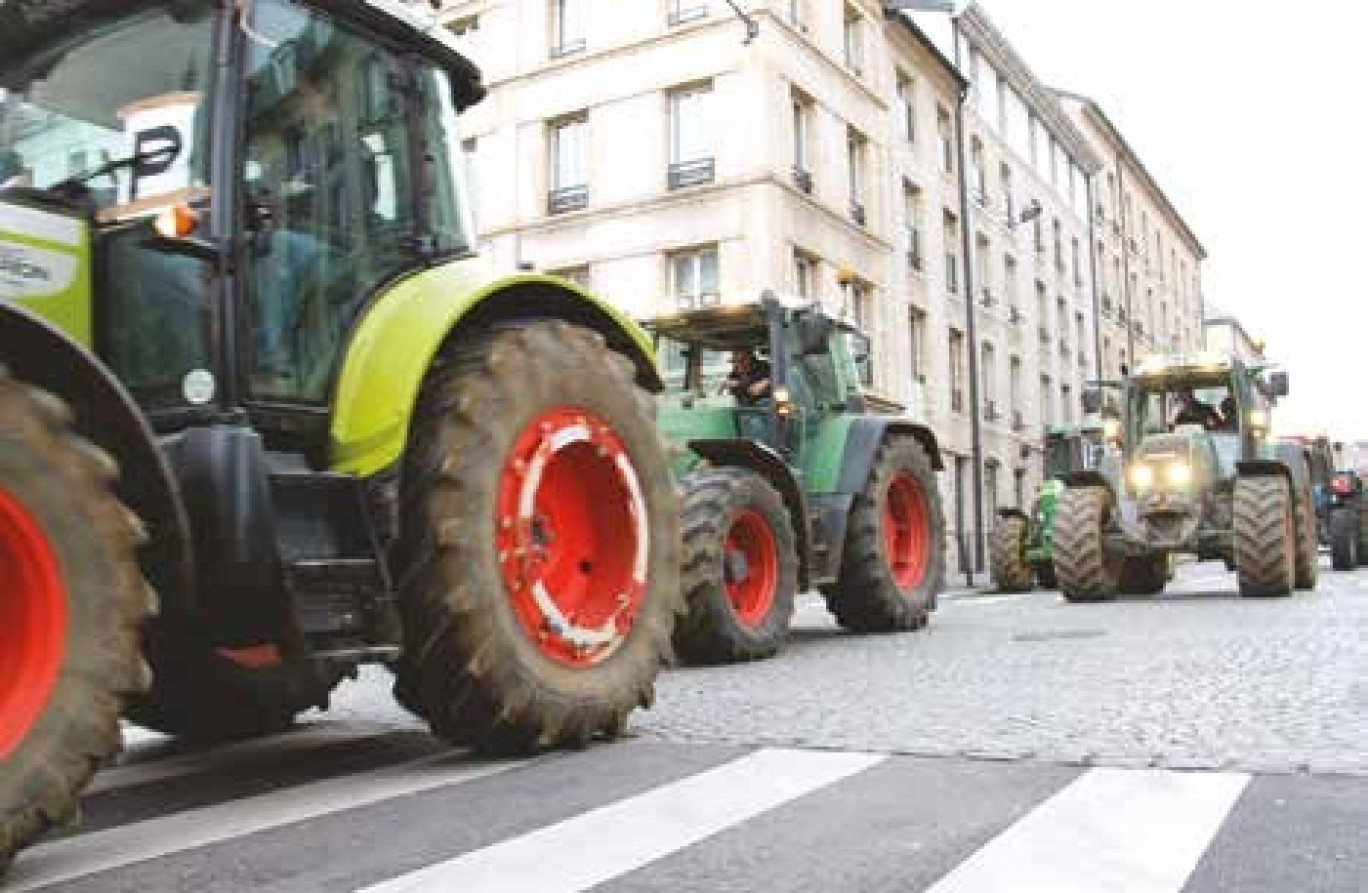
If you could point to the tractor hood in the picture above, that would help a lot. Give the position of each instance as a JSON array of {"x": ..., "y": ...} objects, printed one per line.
[{"x": 45, "y": 265}]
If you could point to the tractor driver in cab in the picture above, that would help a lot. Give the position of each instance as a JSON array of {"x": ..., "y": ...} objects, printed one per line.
[
  {"x": 1192, "y": 411},
  {"x": 749, "y": 379}
]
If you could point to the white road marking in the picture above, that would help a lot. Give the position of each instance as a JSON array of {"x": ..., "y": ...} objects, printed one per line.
[
  {"x": 86, "y": 854},
  {"x": 303, "y": 738},
  {"x": 1110, "y": 831},
  {"x": 602, "y": 844}
]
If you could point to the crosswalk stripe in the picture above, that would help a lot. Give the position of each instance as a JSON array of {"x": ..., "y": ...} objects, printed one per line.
[
  {"x": 605, "y": 843},
  {"x": 87, "y": 854},
  {"x": 1129, "y": 831},
  {"x": 306, "y": 738}
]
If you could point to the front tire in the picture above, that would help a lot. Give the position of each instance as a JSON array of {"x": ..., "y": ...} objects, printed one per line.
[
  {"x": 1265, "y": 536},
  {"x": 1007, "y": 554},
  {"x": 71, "y": 601},
  {"x": 894, "y": 558},
  {"x": 539, "y": 544},
  {"x": 1086, "y": 572},
  {"x": 1344, "y": 539},
  {"x": 1144, "y": 575},
  {"x": 740, "y": 569}
]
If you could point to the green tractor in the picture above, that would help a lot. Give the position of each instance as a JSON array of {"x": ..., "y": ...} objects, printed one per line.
[
  {"x": 266, "y": 416},
  {"x": 794, "y": 483},
  {"x": 1203, "y": 476},
  {"x": 1021, "y": 546}
]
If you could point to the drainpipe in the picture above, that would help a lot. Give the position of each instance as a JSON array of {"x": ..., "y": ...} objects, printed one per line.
[
  {"x": 1092, "y": 274},
  {"x": 971, "y": 328}
]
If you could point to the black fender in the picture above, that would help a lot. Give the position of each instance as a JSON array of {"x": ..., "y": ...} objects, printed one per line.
[
  {"x": 1076, "y": 480},
  {"x": 866, "y": 434},
  {"x": 39, "y": 354},
  {"x": 1013, "y": 513},
  {"x": 738, "y": 452}
]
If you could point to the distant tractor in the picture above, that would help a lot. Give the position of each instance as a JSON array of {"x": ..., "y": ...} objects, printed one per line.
[
  {"x": 1202, "y": 476},
  {"x": 793, "y": 486},
  {"x": 1021, "y": 546},
  {"x": 1347, "y": 506},
  {"x": 266, "y": 416}
]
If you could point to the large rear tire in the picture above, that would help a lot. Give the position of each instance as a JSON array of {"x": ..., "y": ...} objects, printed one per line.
[
  {"x": 1307, "y": 550},
  {"x": 71, "y": 601},
  {"x": 740, "y": 569},
  {"x": 539, "y": 547},
  {"x": 1265, "y": 536},
  {"x": 894, "y": 558},
  {"x": 1007, "y": 554},
  {"x": 1086, "y": 573},
  {"x": 1344, "y": 539}
]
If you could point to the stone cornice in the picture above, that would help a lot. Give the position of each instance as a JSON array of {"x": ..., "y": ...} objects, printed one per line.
[{"x": 988, "y": 40}]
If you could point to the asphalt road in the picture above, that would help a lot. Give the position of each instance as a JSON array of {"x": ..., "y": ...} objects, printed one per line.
[{"x": 1196, "y": 742}]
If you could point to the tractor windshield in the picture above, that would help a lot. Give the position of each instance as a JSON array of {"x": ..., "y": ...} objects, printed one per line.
[{"x": 111, "y": 113}]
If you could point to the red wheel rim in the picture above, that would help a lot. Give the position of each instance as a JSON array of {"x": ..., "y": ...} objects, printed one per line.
[
  {"x": 33, "y": 622},
  {"x": 751, "y": 570},
  {"x": 907, "y": 531},
  {"x": 571, "y": 531}
]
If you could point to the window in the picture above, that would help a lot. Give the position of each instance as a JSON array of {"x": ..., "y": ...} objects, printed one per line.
[
  {"x": 1062, "y": 318},
  {"x": 1058, "y": 234},
  {"x": 1019, "y": 487},
  {"x": 1008, "y": 202},
  {"x": 1018, "y": 124},
  {"x": 802, "y": 136},
  {"x": 916, "y": 323},
  {"x": 1040, "y": 151},
  {"x": 1014, "y": 388},
  {"x": 982, "y": 259},
  {"x": 804, "y": 275},
  {"x": 945, "y": 133},
  {"x": 979, "y": 171},
  {"x": 567, "y": 27},
  {"x": 853, "y": 34},
  {"x": 795, "y": 12},
  {"x": 990, "y": 486},
  {"x": 862, "y": 311},
  {"x": 1057, "y": 162},
  {"x": 691, "y": 135},
  {"x": 1038, "y": 231},
  {"x": 569, "y": 165},
  {"x": 1066, "y": 403},
  {"x": 951, "y": 253},
  {"x": 1077, "y": 262},
  {"x": 989, "y": 101},
  {"x": 956, "y": 370},
  {"x": 855, "y": 160},
  {"x": 1009, "y": 283},
  {"x": 1046, "y": 401},
  {"x": 693, "y": 277},
  {"x": 682, "y": 11},
  {"x": 988, "y": 373},
  {"x": 912, "y": 219},
  {"x": 329, "y": 134},
  {"x": 907, "y": 101}
]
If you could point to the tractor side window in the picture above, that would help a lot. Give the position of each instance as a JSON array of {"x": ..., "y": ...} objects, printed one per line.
[
  {"x": 330, "y": 193},
  {"x": 449, "y": 207}
]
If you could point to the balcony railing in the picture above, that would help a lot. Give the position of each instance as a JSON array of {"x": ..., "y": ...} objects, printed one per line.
[
  {"x": 1014, "y": 315},
  {"x": 692, "y": 173},
  {"x": 703, "y": 299},
  {"x": 803, "y": 180},
  {"x": 1018, "y": 422},
  {"x": 986, "y": 299},
  {"x": 857, "y": 213},
  {"x": 567, "y": 198}
]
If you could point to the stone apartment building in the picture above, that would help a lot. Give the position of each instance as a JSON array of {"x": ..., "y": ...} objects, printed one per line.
[{"x": 647, "y": 150}]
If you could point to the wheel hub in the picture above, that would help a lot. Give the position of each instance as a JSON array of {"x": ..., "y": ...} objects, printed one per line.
[
  {"x": 33, "y": 622},
  {"x": 751, "y": 567},
  {"x": 571, "y": 530},
  {"x": 907, "y": 531}
]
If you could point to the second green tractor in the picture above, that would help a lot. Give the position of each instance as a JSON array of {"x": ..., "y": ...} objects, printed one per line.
[{"x": 803, "y": 486}]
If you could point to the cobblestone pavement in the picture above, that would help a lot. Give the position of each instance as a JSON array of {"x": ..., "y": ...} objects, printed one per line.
[{"x": 1197, "y": 678}]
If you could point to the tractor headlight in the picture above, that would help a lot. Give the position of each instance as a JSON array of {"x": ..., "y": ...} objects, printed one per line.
[
  {"x": 1141, "y": 477},
  {"x": 1178, "y": 473},
  {"x": 783, "y": 401},
  {"x": 1111, "y": 429},
  {"x": 1258, "y": 420}
]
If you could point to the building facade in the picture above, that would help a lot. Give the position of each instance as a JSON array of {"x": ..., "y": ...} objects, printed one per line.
[
  {"x": 1149, "y": 262},
  {"x": 646, "y": 150}
]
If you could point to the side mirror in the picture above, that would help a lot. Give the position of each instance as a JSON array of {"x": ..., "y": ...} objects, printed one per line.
[
  {"x": 1092, "y": 401},
  {"x": 1277, "y": 383},
  {"x": 814, "y": 333}
]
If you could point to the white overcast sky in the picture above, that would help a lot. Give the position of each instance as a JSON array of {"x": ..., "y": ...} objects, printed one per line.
[{"x": 1251, "y": 115}]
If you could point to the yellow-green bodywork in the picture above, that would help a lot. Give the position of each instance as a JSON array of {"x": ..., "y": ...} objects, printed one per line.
[
  {"x": 394, "y": 343},
  {"x": 45, "y": 267}
]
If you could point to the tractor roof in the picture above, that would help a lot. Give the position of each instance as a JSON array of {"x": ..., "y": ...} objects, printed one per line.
[
  {"x": 1203, "y": 365},
  {"x": 731, "y": 325}
]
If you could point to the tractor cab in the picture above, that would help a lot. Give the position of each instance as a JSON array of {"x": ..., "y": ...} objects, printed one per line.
[
  {"x": 767, "y": 371},
  {"x": 209, "y": 194}
]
